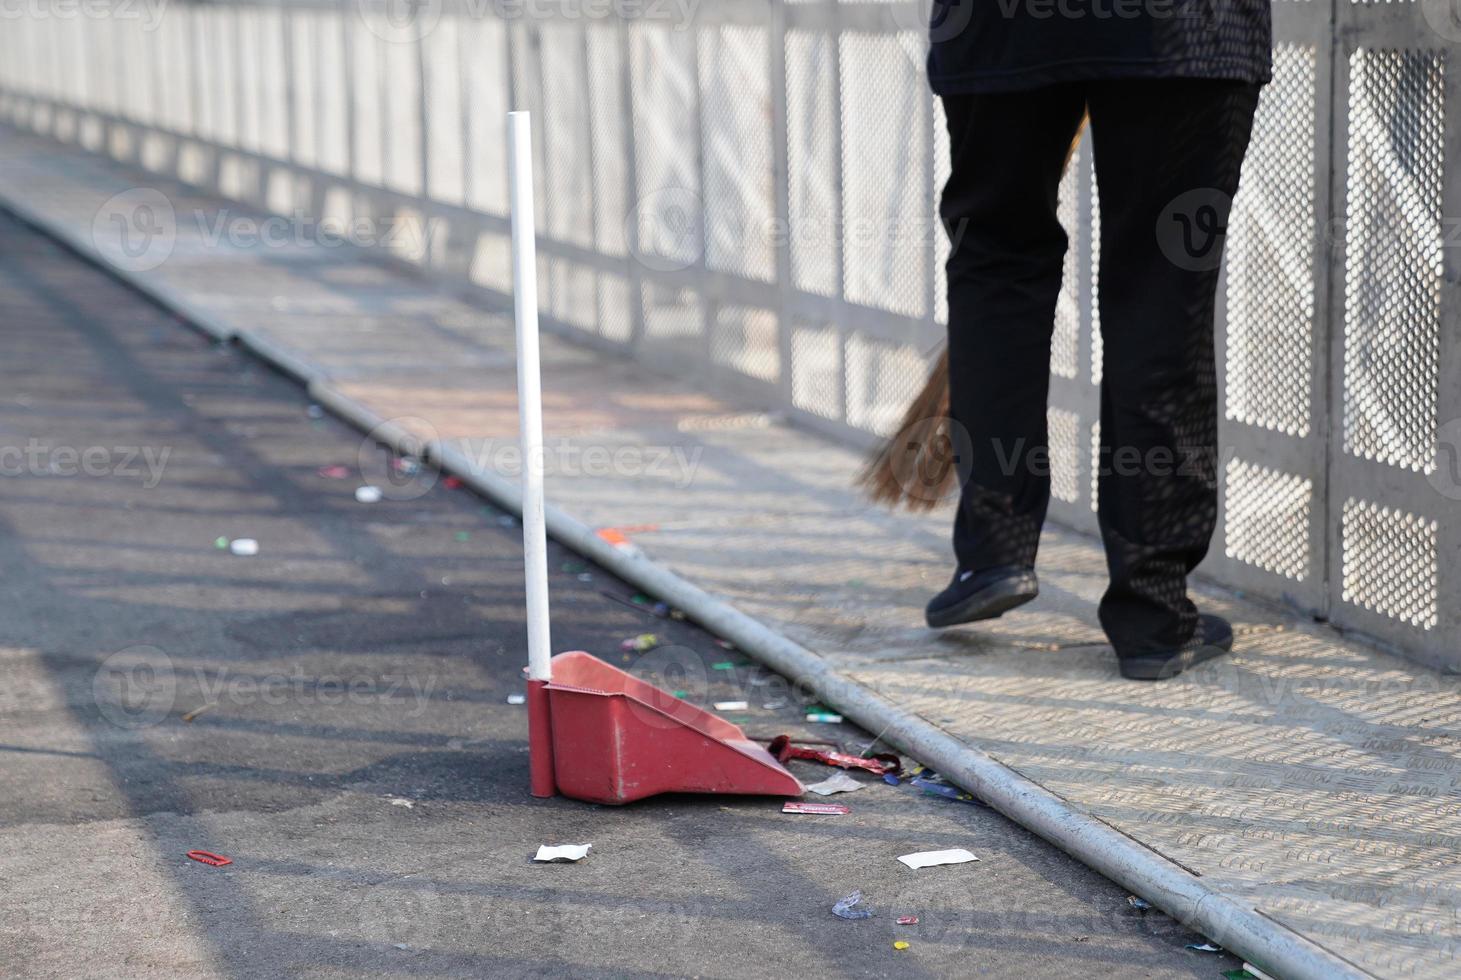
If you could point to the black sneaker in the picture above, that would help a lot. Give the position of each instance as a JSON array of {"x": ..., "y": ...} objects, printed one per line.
[
  {"x": 973, "y": 596},
  {"x": 1213, "y": 638}
]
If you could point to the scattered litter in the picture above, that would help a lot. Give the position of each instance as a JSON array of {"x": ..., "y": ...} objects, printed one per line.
[
  {"x": 244, "y": 546},
  {"x": 900, "y": 944},
  {"x": 680, "y": 694},
  {"x": 934, "y": 785},
  {"x": 725, "y": 644},
  {"x": 1253, "y": 971},
  {"x": 776, "y": 704},
  {"x": 824, "y": 809},
  {"x": 826, "y": 717},
  {"x": 837, "y": 783},
  {"x": 406, "y": 466},
  {"x": 908, "y": 920},
  {"x": 930, "y": 859},
  {"x": 891, "y": 778},
  {"x": 562, "y": 852},
  {"x": 731, "y": 706},
  {"x": 782, "y": 749},
  {"x": 402, "y": 801},
  {"x": 1204, "y": 947},
  {"x": 848, "y": 908},
  {"x": 335, "y": 472},
  {"x": 368, "y": 494},
  {"x": 1140, "y": 904},
  {"x": 220, "y": 543},
  {"x": 452, "y": 483},
  {"x": 615, "y": 537},
  {"x": 315, "y": 412},
  {"x": 209, "y": 858},
  {"x": 723, "y": 665},
  {"x": 585, "y": 576},
  {"x": 463, "y": 536},
  {"x": 640, "y": 643},
  {"x": 198, "y": 711},
  {"x": 401, "y": 946},
  {"x": 517, "y": 699}
]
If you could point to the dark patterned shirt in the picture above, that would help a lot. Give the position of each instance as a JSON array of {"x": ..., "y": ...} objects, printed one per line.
[{"x": 1012, "y": 45}]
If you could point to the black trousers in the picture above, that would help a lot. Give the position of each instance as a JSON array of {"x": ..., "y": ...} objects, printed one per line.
[{"x": 1167, "y": 156}]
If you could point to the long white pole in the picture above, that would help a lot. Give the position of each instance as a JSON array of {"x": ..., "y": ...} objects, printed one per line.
[{"x": 529, "y": 390}]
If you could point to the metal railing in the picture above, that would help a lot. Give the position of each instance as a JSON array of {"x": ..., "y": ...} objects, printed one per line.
[{"x": 745, "y": 191}]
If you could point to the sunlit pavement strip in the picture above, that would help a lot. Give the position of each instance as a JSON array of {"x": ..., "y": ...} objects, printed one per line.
[{"x": 1312, "y": 777}]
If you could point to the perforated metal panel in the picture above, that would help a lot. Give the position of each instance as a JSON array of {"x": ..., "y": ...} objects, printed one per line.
[
  {"x": 812, "y": 161},
  {"x": 885, "y": 242},
  {"x": 736, "y": 139},
  {"x": 1390, "y": 562},
  {"x": 1267, "y": 519},
  {"x": 1393, "y": 263},
  {"x": 745, "y": 339}
]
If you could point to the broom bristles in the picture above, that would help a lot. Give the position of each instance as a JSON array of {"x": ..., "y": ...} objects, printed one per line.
[{"x": 915, "y": 468}]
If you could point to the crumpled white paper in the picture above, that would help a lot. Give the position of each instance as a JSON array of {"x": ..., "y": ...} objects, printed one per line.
[
  {"x": 838, "y": 783},
  {"x": 928, "y": 859},
  {"x": 562, "y": 852}
]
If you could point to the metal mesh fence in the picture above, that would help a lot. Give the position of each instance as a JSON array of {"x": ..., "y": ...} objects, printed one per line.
[{"x": 746, "y": 191}]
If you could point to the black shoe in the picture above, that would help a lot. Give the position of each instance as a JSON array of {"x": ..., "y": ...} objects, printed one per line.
[
  {"x": 1213, "y": 638},
  {"x": 973, "y": 596}
]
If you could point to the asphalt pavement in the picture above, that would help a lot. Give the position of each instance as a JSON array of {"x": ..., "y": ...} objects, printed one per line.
[{"x": 332, "y": 714}]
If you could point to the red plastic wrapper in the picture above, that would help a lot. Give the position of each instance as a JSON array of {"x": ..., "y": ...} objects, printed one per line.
[
  {"x": 908, "y": 920},
  {"x": 782, "y": 748},
  {"x": 828, "y": 809}
]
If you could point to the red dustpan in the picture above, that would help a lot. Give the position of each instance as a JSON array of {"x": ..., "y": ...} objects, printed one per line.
[
  {"x": 594, "y": 732},
  {"x": 616, "y": 738}
]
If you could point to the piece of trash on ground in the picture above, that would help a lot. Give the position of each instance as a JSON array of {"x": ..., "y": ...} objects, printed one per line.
[
  {"x": 209, "y": 858},
  {"x": 640, "y": 643},
  {"x": 900, "y": 944},
  {"x": 452, "y": 483},
  {"x": 1140, "y": 904},
  {"x": 335, "y": 472},
  {"x": 930, "y": 859},
  {"x": 724, "y": 644},
  {"x": 731, "y": 706},
  {"x": 935, "y": 786},
  {"x": 402, "y": 801},
  {"x": 1205, "y": 947},
  {"x": 221, "y": 543},
  {"x": 775, "y": 705},
  {"x": 406, "y": 465},
  {"x": 517, "y": 699},
  {"x": 562, "y": 852},
  {"x": 1253, "y": 971},
  {"x": 823, "y": 809},
  {"x": 723, "y": 665},
  {"x": 826, "y": 717},
  {"x": 782, "y": 748},
  {"x": 368, "y": 494},
  {"x": 851, "y": 907},
  {"x": 199, "y": 710},
  {"x": 837, "y": 783},
  {"x": 891, "y": 778},
  {"x": 908, "y": 920},
  {"x": 244, "y": 547},
  {"x": 463, "y": 536}
]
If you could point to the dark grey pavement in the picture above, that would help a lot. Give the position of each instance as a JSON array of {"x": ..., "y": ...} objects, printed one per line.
[{"x": 356, "y": 757}]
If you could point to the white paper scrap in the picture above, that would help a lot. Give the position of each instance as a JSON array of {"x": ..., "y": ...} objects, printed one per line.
[
  {"x": 928, "y": 859},
  {"x": 840, "y": 783},
  {"x": 562, "y": 852},
  {"x": 731, "y": 706}
]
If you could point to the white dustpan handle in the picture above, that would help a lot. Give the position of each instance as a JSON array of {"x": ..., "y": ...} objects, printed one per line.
[{"x": 529, "y": 390}]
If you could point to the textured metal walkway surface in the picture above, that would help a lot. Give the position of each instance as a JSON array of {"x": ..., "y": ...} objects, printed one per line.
[{"x": 1312, "y": 777}]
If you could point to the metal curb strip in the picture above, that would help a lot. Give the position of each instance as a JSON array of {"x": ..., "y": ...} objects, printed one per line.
[{"x": 1178, "y": 892}]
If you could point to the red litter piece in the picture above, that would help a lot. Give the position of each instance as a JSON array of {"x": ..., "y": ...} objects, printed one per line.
[
  {"x": 452, "y": 483},
  {"x": 825, "y": 808},
  {"x": 208, "y": 857},
  {"x": 782, "y": 748},
  {"x": 908, "y": 920}
]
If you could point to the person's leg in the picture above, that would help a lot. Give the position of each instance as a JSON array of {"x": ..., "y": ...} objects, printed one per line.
[
  {"x": 1004, "y": 270},
  {"x": 1167, "y": 154}
]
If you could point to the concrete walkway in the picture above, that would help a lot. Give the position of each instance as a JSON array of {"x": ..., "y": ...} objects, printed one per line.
[{"x": 1311, "y": 778}]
